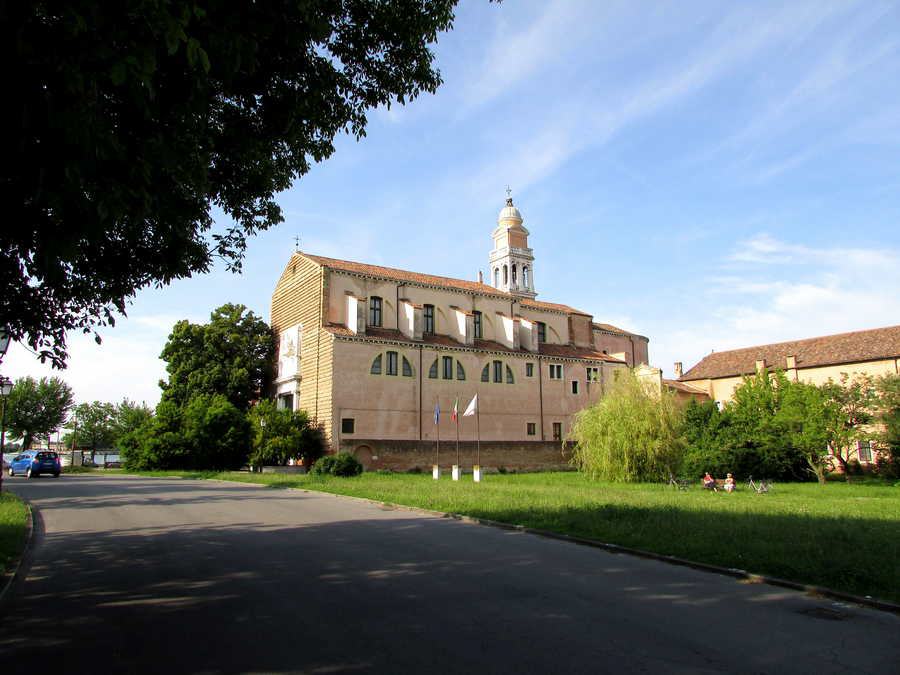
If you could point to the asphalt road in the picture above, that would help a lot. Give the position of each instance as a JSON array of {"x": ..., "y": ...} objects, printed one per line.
[{"x": 172, "y": 576}]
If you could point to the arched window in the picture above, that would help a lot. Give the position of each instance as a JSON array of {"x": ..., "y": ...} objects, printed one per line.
[
  {"x": 496, "y": 277},
  {"x": 513, "y": 275},
  {"x": 505, "y": 275},
  {"x": 542, "y": 331},
  {"x": 495, "y": 371},
  {"x": 389, "y": 364},
  {"x": 525, "y": 277},
  {"x": 444, "y": 368}
]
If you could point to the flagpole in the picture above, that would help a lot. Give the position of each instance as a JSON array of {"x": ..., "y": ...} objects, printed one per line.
[
  {"x": 436, "y": 472},
  {"x": 457, "y": 430},
  {"x": 478, "y": 441}
]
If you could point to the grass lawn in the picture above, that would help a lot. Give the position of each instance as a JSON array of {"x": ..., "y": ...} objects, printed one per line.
[
  {"x": 13, "y": 514},
  {"x": 845, "y": 537}
]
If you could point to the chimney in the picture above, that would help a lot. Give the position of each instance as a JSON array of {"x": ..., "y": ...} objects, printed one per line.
[
  {"x": 480, "y": 277},
  {"x": 760, "y": 365},
  {"x": 791, "y": 362},
  {"x": 678, "y": 369}
]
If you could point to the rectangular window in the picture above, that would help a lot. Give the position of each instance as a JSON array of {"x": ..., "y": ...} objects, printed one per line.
[
  {"x": 447, "y": 362},
  {"x": 529, "y": 370},
  {"x": 477, "y": 317},
  {"x": 865, "y": 451},
  {"x": 593, "y": 374},
  {"x": 375, "y": 311},
  {"x": 347, "y": 425},
  {"x": 556, "y": 371},
  {"x": 498, "y": 371},
  {"x": 532, "y": 428},
  {"x": 557, "y": 431},
  {"x": 392, "y": 363},
  {"x": 542, "y": 331},
  {"x": 286, "y": 402},
  {"x": 429, "y": 319},
  {"x": 574, "y": 386}
]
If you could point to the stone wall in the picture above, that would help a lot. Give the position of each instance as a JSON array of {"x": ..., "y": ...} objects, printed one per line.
[{"x": 410, "y": 455}]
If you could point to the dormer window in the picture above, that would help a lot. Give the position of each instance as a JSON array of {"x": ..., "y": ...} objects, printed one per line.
[
  {"x": 375, "y": 311},
  {"x": 428, "y": 313}
]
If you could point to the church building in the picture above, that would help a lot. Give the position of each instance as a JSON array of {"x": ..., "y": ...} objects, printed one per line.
[{"x": 370, "y": 352}]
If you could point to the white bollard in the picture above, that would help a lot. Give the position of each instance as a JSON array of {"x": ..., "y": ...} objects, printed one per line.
[
  {"x": 456, "y": 472},
  {"x": 435, "y": 472},
  {"x": 476, "y": 473}
]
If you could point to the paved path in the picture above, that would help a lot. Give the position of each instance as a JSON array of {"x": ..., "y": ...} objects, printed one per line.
[{"x": 172, "y": 576}]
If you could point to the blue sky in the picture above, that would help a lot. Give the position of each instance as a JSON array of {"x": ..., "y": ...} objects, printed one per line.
[{"x": 710, "y": 175}]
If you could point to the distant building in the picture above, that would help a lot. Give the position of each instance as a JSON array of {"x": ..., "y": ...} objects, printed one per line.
[
  {"x": 370, "y": 351},
  {"x": 873, "y": 352}
]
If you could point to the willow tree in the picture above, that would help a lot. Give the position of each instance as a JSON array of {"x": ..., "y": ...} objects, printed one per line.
[{"x": 634, "y": 433}]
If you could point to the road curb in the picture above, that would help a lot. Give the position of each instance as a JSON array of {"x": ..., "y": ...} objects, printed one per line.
[
  {"x": 750, "y": 577},
  {"x": 9, "y": 578}
]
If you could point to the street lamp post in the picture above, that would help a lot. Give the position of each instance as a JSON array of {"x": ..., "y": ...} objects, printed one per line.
[{"x": 5, "y": 388}]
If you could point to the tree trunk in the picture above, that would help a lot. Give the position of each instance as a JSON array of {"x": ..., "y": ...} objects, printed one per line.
[
  {"x": 818, "y": 467},
  {"x": 842, "y": 463}
]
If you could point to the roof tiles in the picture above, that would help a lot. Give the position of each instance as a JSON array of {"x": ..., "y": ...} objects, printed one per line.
[
  {"x": 858, "y": 346},
  {"x": 393, "y": 274}
]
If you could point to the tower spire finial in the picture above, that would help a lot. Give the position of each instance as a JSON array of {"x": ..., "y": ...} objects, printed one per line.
[
  {"x": 296, "y": 242},
  {"x": 508, "y": 196}
]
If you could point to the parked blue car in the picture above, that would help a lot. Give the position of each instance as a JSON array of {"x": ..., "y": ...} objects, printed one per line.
[{"x": 35, "y": 462}]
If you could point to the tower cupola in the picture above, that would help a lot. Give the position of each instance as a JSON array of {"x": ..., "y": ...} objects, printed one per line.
[{"x": 511, "y": 261}]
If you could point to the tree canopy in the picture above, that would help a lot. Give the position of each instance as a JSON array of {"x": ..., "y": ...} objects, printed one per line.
[
  {"x": 126, "y": 122},
  {"x": 231, "y": 356},
  {"x": 37, "y": 408},
  {"x": 632, "y": 434}
]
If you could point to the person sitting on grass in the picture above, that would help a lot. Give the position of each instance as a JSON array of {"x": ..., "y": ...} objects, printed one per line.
[
  {"x": 729, "y": 483},
  {"x": 709, "y": 482}
]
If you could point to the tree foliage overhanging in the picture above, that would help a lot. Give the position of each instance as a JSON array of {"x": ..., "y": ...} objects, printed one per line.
[{"x": 126, "y": 122}]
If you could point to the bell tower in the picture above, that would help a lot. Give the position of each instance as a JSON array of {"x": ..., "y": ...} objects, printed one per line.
[{"x": 511, "y": 261}]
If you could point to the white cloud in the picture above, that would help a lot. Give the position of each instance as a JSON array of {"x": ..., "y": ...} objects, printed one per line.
[
  {"x": 787, "y": 291},
  {"x": 126, "y": 364}
]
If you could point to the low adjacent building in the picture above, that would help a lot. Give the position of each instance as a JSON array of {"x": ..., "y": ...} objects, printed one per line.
[
  {"x": 370, "y": 352},
  {"x": 874, "y": 352}
]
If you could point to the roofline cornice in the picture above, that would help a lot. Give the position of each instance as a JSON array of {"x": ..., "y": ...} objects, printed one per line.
[{"x": 464, "y": 348}]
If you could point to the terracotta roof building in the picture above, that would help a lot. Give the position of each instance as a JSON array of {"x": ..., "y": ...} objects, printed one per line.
[
  {"x": 370, "y": 351},
  {"x": 874, "y": 352}
]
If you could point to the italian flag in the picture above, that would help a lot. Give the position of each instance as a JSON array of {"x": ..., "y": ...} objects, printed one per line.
[{"x": 454, "y": 416}]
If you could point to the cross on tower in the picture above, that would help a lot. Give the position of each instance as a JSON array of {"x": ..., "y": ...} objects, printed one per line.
[
  {"x": 296, "y": 242},
  {"x": 508, "y": 192}
]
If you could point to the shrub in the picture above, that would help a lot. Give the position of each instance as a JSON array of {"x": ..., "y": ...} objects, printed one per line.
[
  {"x": 323, "y": 465},
  {"x": 286, "y": 434},
  {"x": 346, "y": 465}
]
